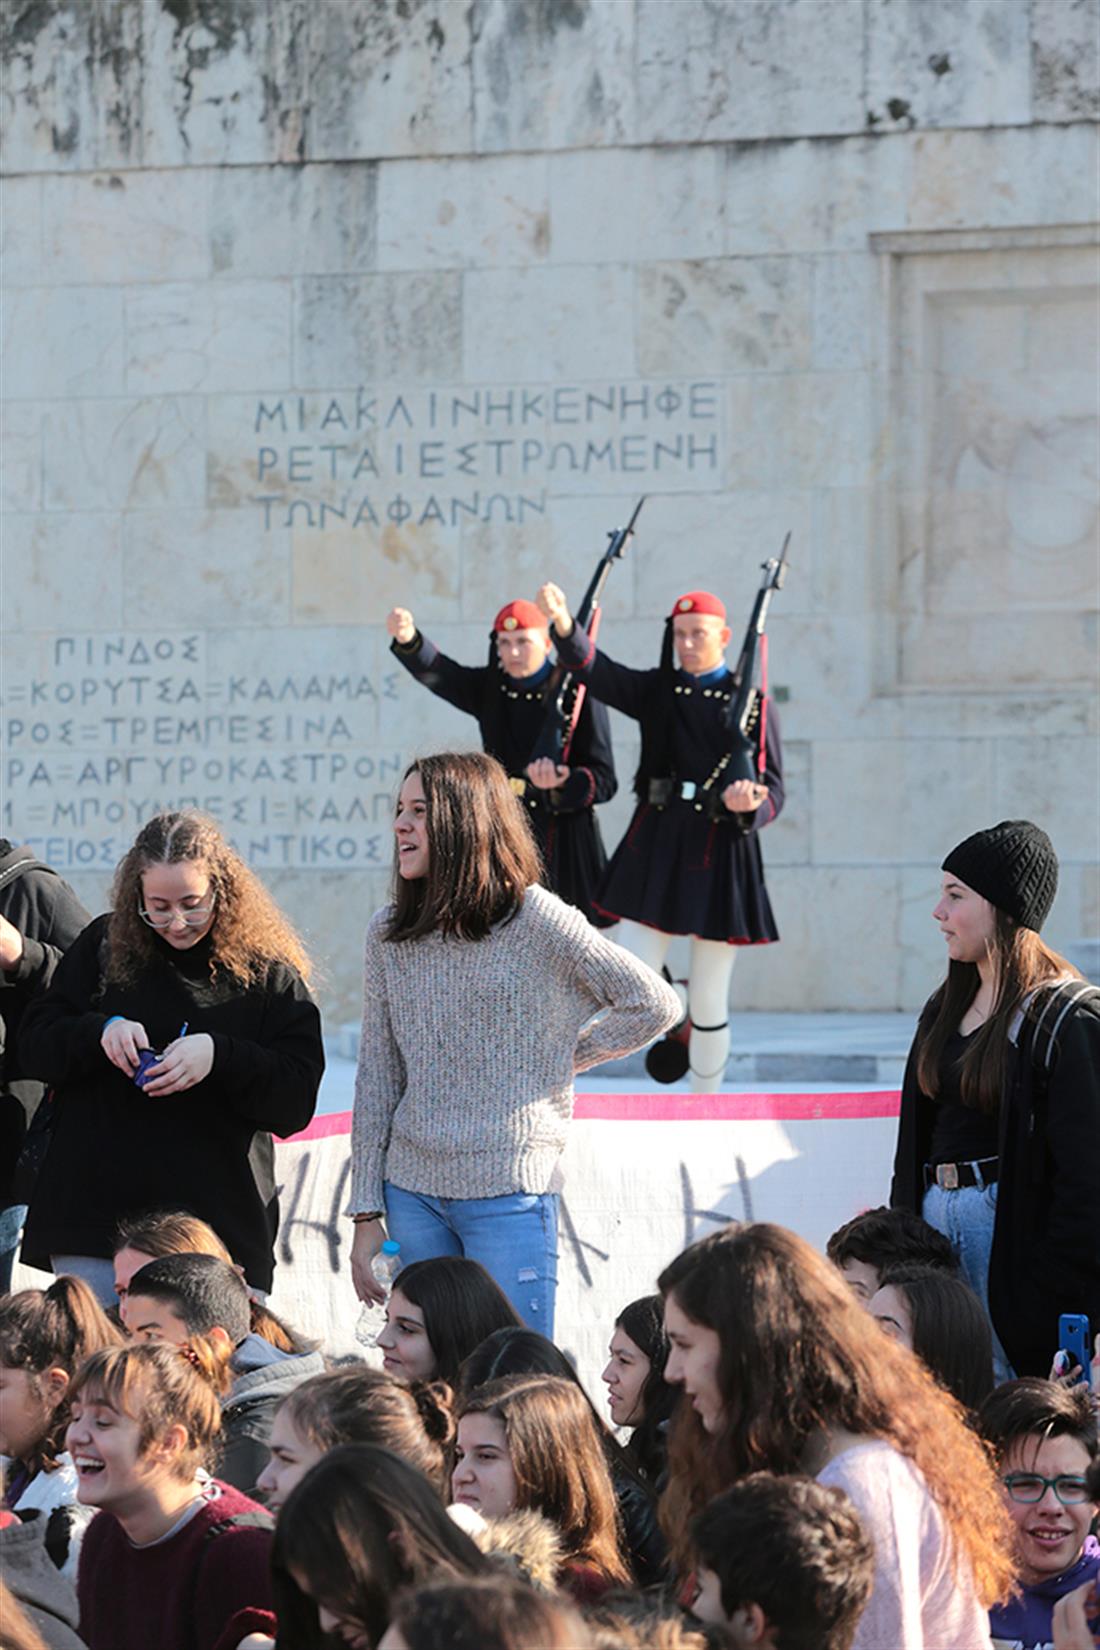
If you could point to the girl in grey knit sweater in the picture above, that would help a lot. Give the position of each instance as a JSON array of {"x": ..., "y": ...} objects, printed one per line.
[{"x": 483, "y": 995}]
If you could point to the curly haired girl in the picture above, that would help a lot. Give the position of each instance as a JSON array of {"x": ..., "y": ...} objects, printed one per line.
[{"x": 178, "y": 1035}]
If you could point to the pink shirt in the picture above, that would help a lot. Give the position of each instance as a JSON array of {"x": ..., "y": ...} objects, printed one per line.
[{"x": 917, "y": 1601}]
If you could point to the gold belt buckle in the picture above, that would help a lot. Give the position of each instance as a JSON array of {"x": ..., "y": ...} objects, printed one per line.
[
  {"x": 519, "y": 786},
  {"x": 948, "y": 1176}
]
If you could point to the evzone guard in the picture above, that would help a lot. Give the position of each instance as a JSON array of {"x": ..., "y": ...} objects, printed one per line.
[
  {"x": 710, "y": 778},
  {"x": 514, "y": 697}
]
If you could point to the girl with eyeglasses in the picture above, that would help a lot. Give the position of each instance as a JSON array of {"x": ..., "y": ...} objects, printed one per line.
[{"x": 178, "y": 1035}]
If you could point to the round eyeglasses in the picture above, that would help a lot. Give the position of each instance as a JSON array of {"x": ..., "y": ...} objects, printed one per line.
[
  {"x": 1030, "y": 1487},
  {"x": 193, "y": 915}
]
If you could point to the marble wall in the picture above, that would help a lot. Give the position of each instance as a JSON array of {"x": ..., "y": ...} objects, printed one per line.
[{"x": 308, "y": 310}]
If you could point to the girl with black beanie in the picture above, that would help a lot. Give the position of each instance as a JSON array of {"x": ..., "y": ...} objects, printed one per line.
[{"x": 999, "y": 1134}]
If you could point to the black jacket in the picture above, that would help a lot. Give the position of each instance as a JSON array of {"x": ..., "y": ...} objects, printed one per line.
[
  {"x": 263, "y": 1377},
  {"x": 49, "y": 916},
  {"x": 1046, "y": 1234},
  {"x": 115, "y": 1153},
  {"x": 643, "y": 1540},
  {"x": 692, "y": 720}
]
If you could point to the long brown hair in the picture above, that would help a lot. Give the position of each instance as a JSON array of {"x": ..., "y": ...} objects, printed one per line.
[
  {"x": 558, "y": 1463},
  {"x": 1021, "y": 961},
  {"x": 799, "y": 1355},
  {"x": 249, "y": 932},
  {"x": 481, "y": 854},
  {"x": 56, "y": 1328}
]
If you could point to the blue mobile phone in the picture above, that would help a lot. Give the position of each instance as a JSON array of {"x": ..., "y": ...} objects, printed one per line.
[
  {"x": 146, "y": 1057},
  {"x": 1073, "y": 1338}
]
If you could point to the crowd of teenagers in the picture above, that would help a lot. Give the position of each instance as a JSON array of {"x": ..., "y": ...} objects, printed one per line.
[
  {"x": 884, "y": 1446},
  {"x": 794, "y": 1452}
]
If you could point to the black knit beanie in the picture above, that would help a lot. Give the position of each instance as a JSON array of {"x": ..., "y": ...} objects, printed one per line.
[{"x": 1013, "y": 865}]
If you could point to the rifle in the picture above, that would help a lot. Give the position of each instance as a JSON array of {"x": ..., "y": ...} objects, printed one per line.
[
  {"x": 742, "y": 760},
  {"x": 562, "y": 713}
]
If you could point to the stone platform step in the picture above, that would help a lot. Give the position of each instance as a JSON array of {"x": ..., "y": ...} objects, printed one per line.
[{"x": 774, "y": 1048}]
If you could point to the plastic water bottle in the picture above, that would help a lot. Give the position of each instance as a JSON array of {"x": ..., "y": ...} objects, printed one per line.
[{"x": 384, "y": 1268}]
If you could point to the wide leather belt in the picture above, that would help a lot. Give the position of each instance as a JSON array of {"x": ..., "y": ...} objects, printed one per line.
[{"x": 982, "y": 1171}]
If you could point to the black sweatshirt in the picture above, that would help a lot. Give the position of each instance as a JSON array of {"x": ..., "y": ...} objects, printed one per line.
[
  {"x": 115, "y": 1152},
  {"x": 49, "y": 916}
]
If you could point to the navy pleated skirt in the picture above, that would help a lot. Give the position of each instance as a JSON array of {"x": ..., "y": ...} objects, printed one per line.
[{"x": 681, "y": 872}]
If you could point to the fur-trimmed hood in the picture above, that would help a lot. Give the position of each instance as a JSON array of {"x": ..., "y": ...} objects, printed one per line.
[{"x": 525, "y": 1543}]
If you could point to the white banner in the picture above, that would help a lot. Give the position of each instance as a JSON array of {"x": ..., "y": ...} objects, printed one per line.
[{"x": 642, "y": 1176}]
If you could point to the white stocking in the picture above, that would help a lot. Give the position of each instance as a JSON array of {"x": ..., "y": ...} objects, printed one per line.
[
  {"x": 709, "y": 1006},
  {"x": 649, "y": 945}
]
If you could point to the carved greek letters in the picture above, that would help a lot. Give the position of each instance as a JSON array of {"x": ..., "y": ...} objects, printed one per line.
[
  {"x": 101, "y": 731},
  {"x": 442, "y": 456}
]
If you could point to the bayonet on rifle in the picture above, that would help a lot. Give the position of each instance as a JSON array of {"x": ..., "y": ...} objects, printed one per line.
[
  {"x": 561, "y": 716},
  {"x": 741, "y": 763}
]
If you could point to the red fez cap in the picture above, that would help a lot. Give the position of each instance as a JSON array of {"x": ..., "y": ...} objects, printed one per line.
[
  {"x": 699, "y": 601},
  {"x": 520, "y": 615}
]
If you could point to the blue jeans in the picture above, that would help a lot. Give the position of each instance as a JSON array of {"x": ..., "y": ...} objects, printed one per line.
[
  {"x": 97, "y": 1273},
  {"x": 515, "y": 1238},
  {"x": 966, "y": 1217}
]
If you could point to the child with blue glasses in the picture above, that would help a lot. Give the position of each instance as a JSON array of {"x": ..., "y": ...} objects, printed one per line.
[{"x": 1044, "y": 1436}]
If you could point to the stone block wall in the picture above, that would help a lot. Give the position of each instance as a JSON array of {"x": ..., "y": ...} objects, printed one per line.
[{"x": 311, "y": 309}]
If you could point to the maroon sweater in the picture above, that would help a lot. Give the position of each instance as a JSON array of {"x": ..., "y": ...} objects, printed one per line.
[{"x": 182, "y": 1593}]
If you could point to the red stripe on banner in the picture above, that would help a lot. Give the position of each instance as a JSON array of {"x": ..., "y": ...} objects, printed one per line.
[
  {"x": 334, "y": 1122},
  {"x": 691, "y": 1108},
  {"x": 735, "y": 1108}
]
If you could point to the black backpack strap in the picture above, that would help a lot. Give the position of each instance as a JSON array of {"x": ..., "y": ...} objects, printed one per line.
[{"x": 1044, "y": 1013}]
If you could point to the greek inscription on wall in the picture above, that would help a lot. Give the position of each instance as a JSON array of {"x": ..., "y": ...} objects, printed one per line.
[
  {"x": 367, "y": 457},
  {"x": 102, "y": 731},
  {"x": 294, "y": 747}
]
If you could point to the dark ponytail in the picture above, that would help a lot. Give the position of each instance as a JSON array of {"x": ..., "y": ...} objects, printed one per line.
[
  {"x": 56, "y": 1328},
  {"x": 647, "y": 1450}
]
